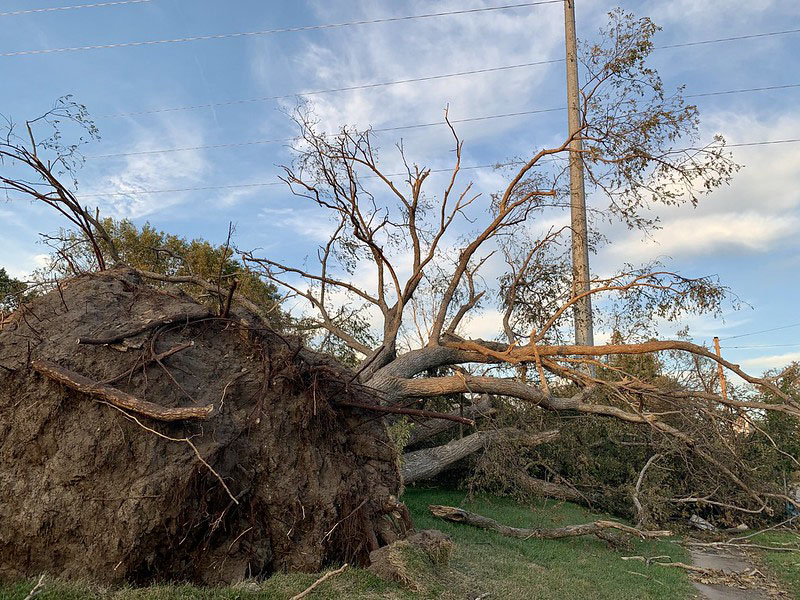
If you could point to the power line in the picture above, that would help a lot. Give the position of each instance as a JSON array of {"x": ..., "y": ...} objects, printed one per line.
[
  {"x": 363, "y": 22},
  {"x": 437, "y": 123},
  {"x": 762, "y": 346},
  {"x": 733, "y": 337},
  {"x": 363, "y": 86},
  {"x": 287, "y": 140},
  {"x": 219, "y": 36},
  {"x": 730, "y": 39},
  {"x": 398, "y": 82},
  {"x": 753, "y": 89},
  {"x": 271, "y": 183},
  {"x": 466, "y": 168},
  {"x": 28, "y": 11},
  {"x": 766, "y": 143}
]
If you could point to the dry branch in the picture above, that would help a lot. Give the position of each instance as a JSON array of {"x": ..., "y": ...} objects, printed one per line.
[
  {"x": 458, "y": 515},
  {"x": 196, "y": 312},
  {"x": 155, "y": 358},
  {"x": 322, "y": 579},
  {"x": 117, "y": 397},
  {"x": 427, "y": 429}
]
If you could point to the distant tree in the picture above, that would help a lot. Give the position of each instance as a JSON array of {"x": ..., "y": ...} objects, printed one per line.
[
  {"x": 12, "y": 291},
  {"x": 167, "y": 255}
]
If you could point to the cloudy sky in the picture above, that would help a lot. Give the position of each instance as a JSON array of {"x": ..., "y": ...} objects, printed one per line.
[{"x": 182, "y": 116}]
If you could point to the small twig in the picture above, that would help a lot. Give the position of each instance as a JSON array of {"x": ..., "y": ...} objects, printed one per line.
[
  {"x": 340, "y": 521},
  {"x": 156, "y": 358},
  {"x": 184, "y": 440},
  {"x": 319, "y": 581},
  {"x": 227, "y": 307},
  {"x": 37, "y": 589}
]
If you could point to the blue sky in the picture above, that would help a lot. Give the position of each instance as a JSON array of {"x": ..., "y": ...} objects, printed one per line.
[{"x": 746, "y": 233}]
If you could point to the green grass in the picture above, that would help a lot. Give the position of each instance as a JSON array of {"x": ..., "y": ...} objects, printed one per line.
[{"x": 482, "y": 562}]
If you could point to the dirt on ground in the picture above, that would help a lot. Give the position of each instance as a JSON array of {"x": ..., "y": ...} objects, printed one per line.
[{"x": 92, "y": 491}]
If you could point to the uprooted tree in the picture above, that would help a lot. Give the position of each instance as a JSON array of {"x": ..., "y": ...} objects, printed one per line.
[
  {"x": 428, "y": 254},
  {"x": 429, "y": 258}
]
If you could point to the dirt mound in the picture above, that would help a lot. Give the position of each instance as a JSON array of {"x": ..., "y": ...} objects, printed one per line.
[{"x": 277, "y": 477}]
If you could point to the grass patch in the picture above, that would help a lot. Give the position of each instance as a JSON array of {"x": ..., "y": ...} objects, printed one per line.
[{"x": 481, "y": 562}]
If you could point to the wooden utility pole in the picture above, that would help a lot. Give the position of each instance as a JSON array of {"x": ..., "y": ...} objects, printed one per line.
[
  {"x": 584, "y": 334},
  {"x": 723, "y": 386}
]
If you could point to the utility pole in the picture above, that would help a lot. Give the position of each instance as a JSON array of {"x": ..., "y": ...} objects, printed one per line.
[{"x": 584, "y": 334}]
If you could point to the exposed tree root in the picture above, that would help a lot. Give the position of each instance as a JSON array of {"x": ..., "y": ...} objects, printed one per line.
[
  {"x": 598, "y": 528},
  {"x": 185, "y": 315},
  {"x": 117, "y": 397}
]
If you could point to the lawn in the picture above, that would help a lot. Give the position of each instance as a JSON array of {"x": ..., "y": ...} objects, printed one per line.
[{"x": 482, "y": 562}]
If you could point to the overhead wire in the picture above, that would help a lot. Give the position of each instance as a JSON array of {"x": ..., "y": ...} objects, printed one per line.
[
  {"x": 484, "y": 166},
  {"x": 237, "y": 34},
  {"x": 350, "y": 88},
  {"x": 398, "y": 82},
  {"x": 741, "y": 335},
  {"x": 271, "y": 183},
  {"x": 27, "y": 11},
  {"x": 438, "y": 123}
]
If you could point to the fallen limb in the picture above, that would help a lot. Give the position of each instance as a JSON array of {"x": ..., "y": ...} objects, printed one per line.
[
  {"x": 458, "y": 515},
  {"x": 195, "y": 312},
  {"x": 37, "y": 589},
  {"x": 679, "y": 565},
  {"x": 117, "y": 397},
  {"x": 548, "y": 489},
  {"x": 322, "y": 579},
  {"x": 427, "y": 429},
  {"x": 429, "y": 462}
]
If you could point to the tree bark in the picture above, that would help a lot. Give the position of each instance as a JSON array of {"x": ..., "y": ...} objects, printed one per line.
[
  {"x": 458, "y": 515},
  {"x": 117, "y": 397},
  {"x": 429, "y": 462},
  {"x": 549, "y": 489}
]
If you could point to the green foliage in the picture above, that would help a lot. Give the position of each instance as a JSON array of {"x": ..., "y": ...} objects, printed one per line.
[
  {"x": 12, "y": 292},
  {"x": 149, "y": 249}
]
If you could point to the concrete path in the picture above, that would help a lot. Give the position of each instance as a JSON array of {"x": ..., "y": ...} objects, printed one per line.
[{"x": 729, "y": 562}]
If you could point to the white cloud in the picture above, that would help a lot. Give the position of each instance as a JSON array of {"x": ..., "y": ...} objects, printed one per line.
[
  {"x": 387, "y": 52},
  {"x": 755, "y": 212},
  {"x": 158, "y": 171},
  {"x": 771, "y": 361}
]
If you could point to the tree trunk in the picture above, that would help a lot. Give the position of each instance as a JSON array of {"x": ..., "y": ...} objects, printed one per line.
[{"x": 429, "y": 462}]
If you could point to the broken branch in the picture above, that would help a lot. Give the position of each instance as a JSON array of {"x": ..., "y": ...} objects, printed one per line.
[{"x": 458, "y": 515}]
